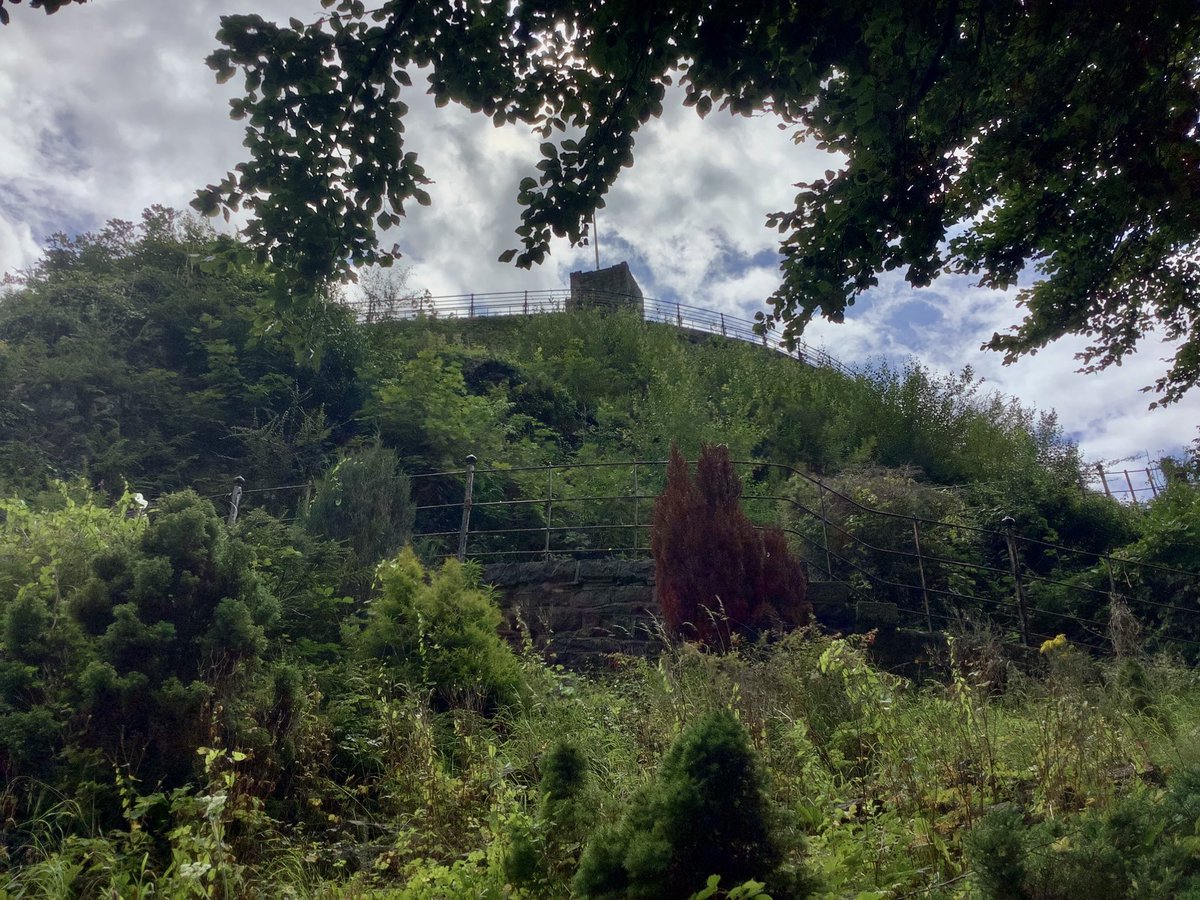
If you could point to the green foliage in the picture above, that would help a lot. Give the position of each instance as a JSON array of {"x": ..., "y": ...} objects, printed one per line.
[
  {"x": 439, "y": 633},
  {"x": 1141, "y": 846},
  {"x": 870, "y": 538},
  {"x": 122, "y": 360},
  {"x": 365, "y": 502},
  {"x": 1169, "y": 543},
  {"x": 543, "y": 853},
  {"x": 426, "y": 412},
  {"x": 158, "y": 646},
  {"x": 705, "y": 812},
  {"x": 949, "y": 161}
]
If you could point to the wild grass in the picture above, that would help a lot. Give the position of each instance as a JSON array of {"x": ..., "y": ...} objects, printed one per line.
[{"x": 874, "y": 781}]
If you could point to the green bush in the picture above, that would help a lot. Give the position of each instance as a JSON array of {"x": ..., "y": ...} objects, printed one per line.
[
  {"x": 705, "y": 814},
  {"x": 364, "y": 502},
  {"x": 1140, "y": 847},
  {"x": 542, "y": 854},
  {"x": 439, "y": 633}
]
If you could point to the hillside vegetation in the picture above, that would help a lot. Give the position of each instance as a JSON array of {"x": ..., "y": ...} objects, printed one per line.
[{"x": 302, "y": 705}]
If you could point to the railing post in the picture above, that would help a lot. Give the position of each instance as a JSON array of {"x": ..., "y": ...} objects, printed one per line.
[
  {"x": 235, "y": 499},
  {"x": 471, "y": 311},
  {"x": 468, "y": 495},
  {"x": 722, "y": 324},
  {"x": 921, "y": 570},
  {"x": 1008, "y": 522},
  {"x": 637, "y": 517},
  {"x": 526, "y": 306},
  {"x": 678, "y": 315},
  {"x": 825, "y": 531},
  {"x": 549, "y": 506},
  {"x": 1129, "y": 484}
]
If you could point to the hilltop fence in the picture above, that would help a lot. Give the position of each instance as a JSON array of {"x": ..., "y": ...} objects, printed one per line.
[
  {"x": 687, "y": 318},
  {"x": 1133, "y": 485}
]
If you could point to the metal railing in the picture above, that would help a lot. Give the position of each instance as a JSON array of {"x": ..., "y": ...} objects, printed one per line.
[
  {"x": 931, "y": 570},
  {"x": 528, "y": 303}
]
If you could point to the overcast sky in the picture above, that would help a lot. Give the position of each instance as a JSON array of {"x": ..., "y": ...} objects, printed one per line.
[{"x": 108, "y": 108}]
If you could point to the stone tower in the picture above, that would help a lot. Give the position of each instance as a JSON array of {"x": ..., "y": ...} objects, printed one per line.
[{"x": 611, "y": 288}]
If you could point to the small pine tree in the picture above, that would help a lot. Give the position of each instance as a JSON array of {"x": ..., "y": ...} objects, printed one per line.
[
  {"x": 706, "y": 814},
  {"x": 715, "y": 571},
  {"x": 438, "y": 631},
  {"x": 542, "y": 856},
  {"x": 364, "y": 501}
]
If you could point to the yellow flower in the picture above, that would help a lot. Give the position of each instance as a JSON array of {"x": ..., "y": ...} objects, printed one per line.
[{"x": 1053, "y": 644}]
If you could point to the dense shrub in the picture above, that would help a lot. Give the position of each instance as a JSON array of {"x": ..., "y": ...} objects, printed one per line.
[
  {"x": 716, "y": 573},
  {"x": 160, "y": 646},
  {"x": 439, "y": 632},
  {"x": 540, "y": 853},
  {"x": 705, "y": 814},
  {"x": 1139, "y": 847},
  {"x": 364, "y": 501}
]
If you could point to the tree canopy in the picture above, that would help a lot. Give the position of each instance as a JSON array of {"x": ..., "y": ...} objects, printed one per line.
[
  {"x": 48, "y": 6},
  {"x": 1047, "y": 145}
]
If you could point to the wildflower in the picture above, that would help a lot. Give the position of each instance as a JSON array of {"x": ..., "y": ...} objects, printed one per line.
[{"x": 1053, "y": 644}]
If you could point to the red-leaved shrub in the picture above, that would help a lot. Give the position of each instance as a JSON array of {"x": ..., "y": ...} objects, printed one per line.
[{"x": 717, "y": 574}]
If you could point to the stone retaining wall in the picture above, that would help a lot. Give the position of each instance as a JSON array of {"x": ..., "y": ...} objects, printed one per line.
[{"x": 578, "y": 612}]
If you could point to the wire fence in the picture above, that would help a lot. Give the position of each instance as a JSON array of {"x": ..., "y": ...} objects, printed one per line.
[
  {"x": 931, "y": 571},
  {"x": 1135, "y": 485}
]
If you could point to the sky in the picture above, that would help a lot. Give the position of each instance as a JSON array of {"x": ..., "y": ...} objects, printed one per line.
[{"x": 108, "y": 108}]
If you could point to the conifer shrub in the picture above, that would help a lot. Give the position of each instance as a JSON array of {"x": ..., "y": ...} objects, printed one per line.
[
  {"x": 716, "y": 573},
  {"x": 706, "y": 814},
  {"x": 439, "y": 632},
  {"x": 158, "y": 646},
  {"x": 542, "y": 855},
  {"x": 364, "y": 501},
  {"x": 1141, "y": 846}
]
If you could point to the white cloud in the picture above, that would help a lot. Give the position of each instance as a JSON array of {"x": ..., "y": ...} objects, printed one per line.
[{"x": 109, "y": 108}]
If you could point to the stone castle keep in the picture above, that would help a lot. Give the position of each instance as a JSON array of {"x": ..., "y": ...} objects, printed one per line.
[{"x": 611, "y": 288}]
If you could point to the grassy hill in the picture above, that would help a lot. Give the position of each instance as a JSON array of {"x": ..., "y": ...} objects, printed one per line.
[{"x": 298, "y": 706}]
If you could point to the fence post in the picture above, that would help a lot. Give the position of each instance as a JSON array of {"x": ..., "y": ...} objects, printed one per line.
[
  {"x": 825, "y": 531},
  {"x": 921, "y": 570},
  {"x": 549, "y": 506},
  {"x": 1008, "y": 522},
  {"x": 637, "y": 517},
  {"x": 1103, "y": 480},
  {"x": 235, "y": 499},
  {"x": 1153, "y": 486},
  {"x": 678, "y": 315},
  {"x": 526, "y": 306},
  {"x": 468, "y": 495},
  {"x": 722, "y": 324},
  {"x": 1129, "y": 484}
]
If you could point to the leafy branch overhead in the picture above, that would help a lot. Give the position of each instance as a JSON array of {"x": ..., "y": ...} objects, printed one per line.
[
  {"x": 1051, "y": 146},
  {"x": 48, "y": 6}
]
